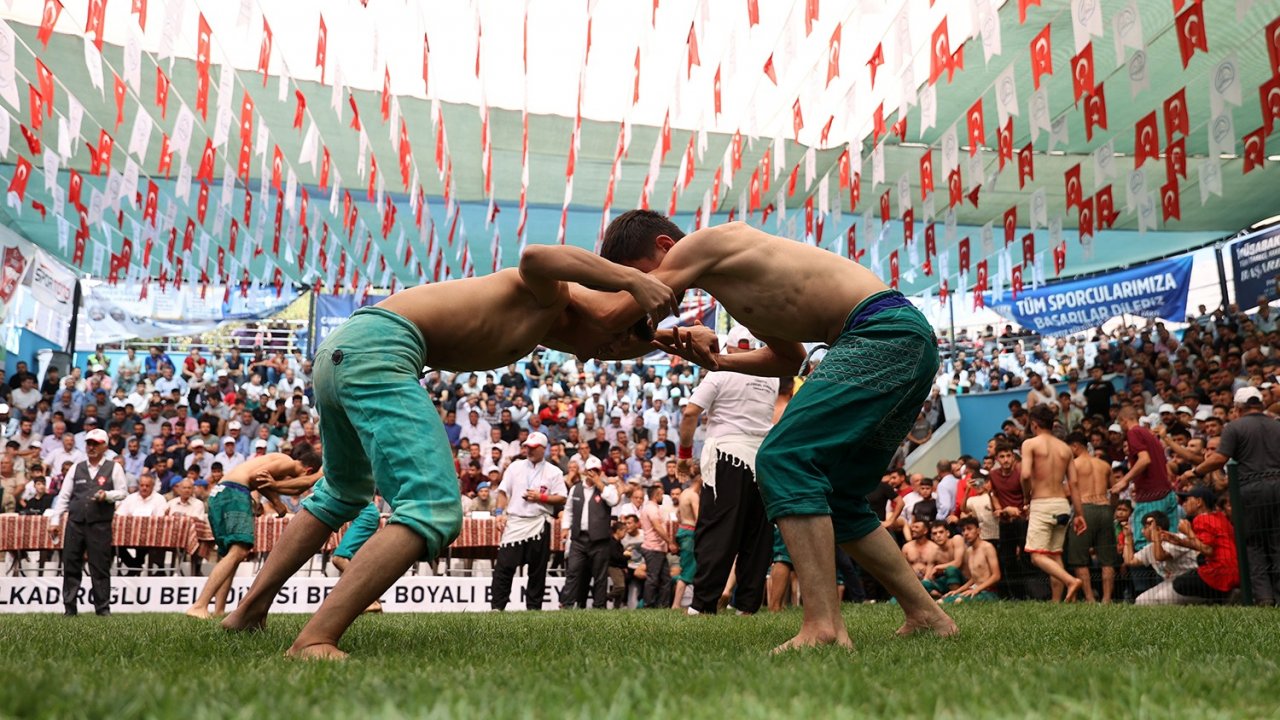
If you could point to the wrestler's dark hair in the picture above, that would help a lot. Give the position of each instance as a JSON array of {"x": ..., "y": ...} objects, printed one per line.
[
  {"x": 633, "y": 235},
  {"x": 1077, "y": 437},
  {"x": 968, "y": 521},
  {"x": 1043, "y": 415},
  {"x": 1003, "y": 447},
  {"x": 307, "y": 455}
]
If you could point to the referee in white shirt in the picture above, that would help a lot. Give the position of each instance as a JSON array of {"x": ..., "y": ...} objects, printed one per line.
[
  {"x": 587, "y": 525},
  {"x": 528, "y": 492}
]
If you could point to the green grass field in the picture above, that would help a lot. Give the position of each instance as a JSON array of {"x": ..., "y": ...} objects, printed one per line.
[{"x": 1010, "y": 660}]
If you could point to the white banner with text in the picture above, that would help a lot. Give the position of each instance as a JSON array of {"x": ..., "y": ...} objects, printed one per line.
[{"x": 412, "y": 593}]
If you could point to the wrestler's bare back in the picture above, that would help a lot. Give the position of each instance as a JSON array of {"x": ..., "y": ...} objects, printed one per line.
[
  {"x": 1049, "y": 458},
  {"x": 482, "y": 322},
  {"x": 1093, "y": 478},
  {"x": 279, "y": 465},
  {"x": 778, "y": 288}
]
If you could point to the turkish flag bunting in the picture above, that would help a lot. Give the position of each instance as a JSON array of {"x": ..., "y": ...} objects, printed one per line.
[
  {"x": 246, "y": 119},
  {"x": 1029, "y": 249},
  {"x": 693, "y": 52},
  {"x": 893, "y": 269},
  {"x": 845, "y": 169},
  {"x": 715, "y": 89},
  {"x": 36, "y": 107},
  {"x": 275, "y": 242},
  {"x": 203, "y": 36},
  {"x": 324, "y": 169},
  {"x": 1095, "y": 111},
  {"x": 202, "y": 95},
  {"x": 908, "y": 226},
  {"x": 149, "y": 208},
  {"x": 45, "y": 76},
  {"x": 1191, "y": 32},
  {"x": 1170, "y": 202},
  {"x": 855, "y": 191},
  {"x": 140, "y": 9},
  {"x": 1146, "y": 143},
  {"x": 386, "y": 93},
  {"x": 322, "y": 45},
  {"x": 940, "y": 53},
  {"x": 36, "y": 147},
  {"x": 1269, "y": 97},
  {"x": 1175, "y": 159},
  {"x": 754, "y": 194},
  {"x": 207, "y": 159},
  {"x": 277, "y": 167},
  {"x": 426, "y": 57},
  {"x": 248, "y": 206},
  {"x": 93, "y": 21},
  {"x": 1105, "y": 205},
  {"x": 833, "y": 55},
  {"x": 300, "y": 108},
  {"x": 120, "y": 91},
  {"x": 373, "y": 175},
  {"x": 1273, "y": 45},
  {"x": 808, "y": 216},
  {"x": 1175, "y": 115},
  {"x": 264, "y": 51},
  {"x": 1004, "y": 142},
  {"x": 74, "y": 184},
  {"x": 635, "y": 89},
  {"x": 1082, "y": 72},
  {"x": 202, "y": 204},
  {"x": 105, "y": 145},
  {"x": 1026, "y": 166},
  {"x": 877, "y": 59},
  {"x": 1255, "y": 149},
  {"x": 1085, "y": 222},
  {"x": 926, "y": 173},
  {"x": 981, "y": 285},
  {"x": 162, "y": 92},
  {"x": 753, "y": 12},
  {"x": 690, "y": 156},
  {"x": 768, "y": 70},
  {"x": 1015, "y": 280},
  {"x": 930, "y": 240},
  {"x": 877, "y": 123},
  {"x": 242, "y": 168},
  {"x": 1022, "y": 9},
  {"x": 1059, "y": 257},
  {"x": 943, "y": 290},
  {"x": 977, "y": 128},
  {"x": 955, "y": 190},
  {"x": 810, "y": 15},
  {"x": 1041, "y": 56},
  {"x": 1075, "y": 191},
  {"x": 1010, "y": 224},
  {"x": 797, "y": 119},
  {"x": 884, "y": 207},
  {"x": 48, "y": 18},
  {"x": 21, "y": 173},
  {"x": 826, "y": 131}
]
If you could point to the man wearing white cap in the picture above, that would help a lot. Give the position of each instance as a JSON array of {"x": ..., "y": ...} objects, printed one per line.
[
  {"x": 587, "y": 527},
  {"x": 88, "y": 496},
  {"x": 529, "y": 490},
  {"x": 199, "y": 457},
  {"x": 1253, "y": 441},
  {"x": 228, "y": 456},
  {"x": 732, "y": 524}
]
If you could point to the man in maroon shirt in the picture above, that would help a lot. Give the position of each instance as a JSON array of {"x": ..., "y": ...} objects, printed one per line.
[
  {"x": 1208, "y": 532},
  {"x": 1010, "y": 507},
  {"x": 1151, "y": 491}
]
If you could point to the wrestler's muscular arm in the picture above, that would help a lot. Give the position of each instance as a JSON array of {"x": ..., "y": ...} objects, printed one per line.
[{"x": 544, "y": 268}]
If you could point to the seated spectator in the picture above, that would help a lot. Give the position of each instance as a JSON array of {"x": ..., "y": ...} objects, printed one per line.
[
  {"x": 40, "y": 500},
  {"x": 980, "y": 566},
  {"x": 228, "y": 456},
  {"x": 1170, "y": 560},
  {"x": 145, "y": 502},
  {"x": 483, "y": 502},
  {"x": 185, "y": 503}
]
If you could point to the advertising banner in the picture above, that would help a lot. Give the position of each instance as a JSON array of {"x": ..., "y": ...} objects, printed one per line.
[
  {"x": 411, "y": 593},
  {"x": 1257, "y": 263},
  {"x": 1155, "y": 290},
  {"x": 333, "y": 310}
]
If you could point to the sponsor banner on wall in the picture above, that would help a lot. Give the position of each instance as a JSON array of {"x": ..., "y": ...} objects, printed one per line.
[
  {"x": 52, "y": 284},
  {"x": 16, "y": 255},
  {"x": 414, "y": 593},
  {"x": 1257, "y": 263},
  {"x": 333, "y": 310},
  {"x": 1154, "y": 290}
]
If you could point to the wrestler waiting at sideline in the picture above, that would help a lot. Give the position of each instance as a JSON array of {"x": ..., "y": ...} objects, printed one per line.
[
  {"x": 1046, "y": 462},
  {"x": 852, "y": 412},
  {"x": 231, "y": 515},
  {"x": 981, "y": 566},
  {"x": 1093, "y": 478},
  {"x": 366, "y": 388}
]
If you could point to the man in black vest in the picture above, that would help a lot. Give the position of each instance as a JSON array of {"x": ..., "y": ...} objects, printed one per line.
[
  {"x": 89, "y": 497},
  {"x": 588, "y": 534}
]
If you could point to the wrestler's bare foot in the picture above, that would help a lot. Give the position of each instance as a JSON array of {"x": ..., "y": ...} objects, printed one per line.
[
  {"x": 814, "y": 638},
  {"x": 198, "y": 612},
  {"x": 240, "y": 621},
  {"x": 319, "y": 651},
  {"x": 1072, "y": 589},
  {"x": 937, "y": 622}
]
